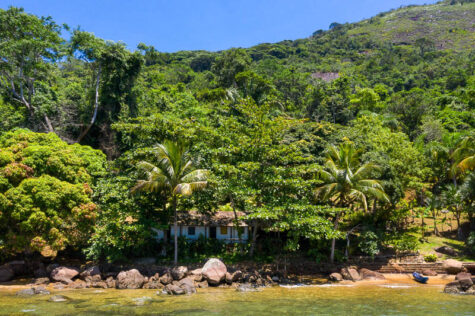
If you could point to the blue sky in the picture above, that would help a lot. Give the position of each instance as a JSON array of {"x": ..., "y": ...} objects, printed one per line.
[{"x": 173, "y": 25}]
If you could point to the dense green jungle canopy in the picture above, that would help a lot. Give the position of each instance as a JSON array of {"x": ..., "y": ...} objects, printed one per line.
[{"x": 399, "y": 89}]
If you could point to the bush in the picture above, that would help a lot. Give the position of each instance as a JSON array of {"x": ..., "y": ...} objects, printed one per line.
[
  {"x": 369, "y": 243},
  {"x": 430, "y": 258},
  {"x": 403, "y": 243}
]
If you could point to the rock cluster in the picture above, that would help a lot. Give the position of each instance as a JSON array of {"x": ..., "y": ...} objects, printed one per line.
[
  {"x": 175, "y": 281},
  {"x": 463, "y": 284},
  {"x": 352, "y": 274}
]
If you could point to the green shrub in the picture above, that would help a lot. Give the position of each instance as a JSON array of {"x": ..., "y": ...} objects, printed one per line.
[
  {"x": 430, "y": 258},
  {"x": 369, "y": 243},
  {"x": 403, "y": 243}
]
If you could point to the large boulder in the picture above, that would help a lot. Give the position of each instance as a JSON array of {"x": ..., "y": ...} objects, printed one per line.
[
  {"x": 336, "y": 277},
  {"x": 131, "y": 279},
  {"x": 429, "y": 272},
  {"x": 6, "y": 273},
  {"x": 188, "y": 285},
  {"x": 64, "y": 274},
  {"x": 179, "y": 273},
  {"x": 90, "y": 272},
  {"x": 470, "y": 267},
  {"x": 350, "y": 274},
  {"x": 214, "y": 271},
  {"x": 465, "y": 284},
  {"x": 367, "y": 274},
  {"x": 452, "y": 266}
]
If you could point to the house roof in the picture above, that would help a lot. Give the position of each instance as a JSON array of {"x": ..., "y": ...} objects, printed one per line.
[{"x": 219, "y": 218}]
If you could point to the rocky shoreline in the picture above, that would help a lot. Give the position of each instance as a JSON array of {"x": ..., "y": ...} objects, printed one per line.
[{"x": 185, "y": 280}]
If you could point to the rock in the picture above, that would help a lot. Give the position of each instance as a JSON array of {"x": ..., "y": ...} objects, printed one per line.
[
  {"x": 446, "y": 250},
  {"x": 452, "y": 266},
  {"x": 58, "y": 286},
  {"x": 174, "y": 290},
  {"x": 110, "y": 282},
  {"x": 471, "y": 290},
  {"x": 6, "y": 273},
  {"x": 350, "y": 274},
  {"x": 166, "y": 278},
  {"x": 26, "y": 292},
  {"x": 188, "y": 285},
  {"x": 237, "y": 276},
  {"x": 196, "y": 274},
  {"x": 94, "y": 278},
  {"x": 228, "y": 278},
  {"x": 19, "y": 267},
  {"x": 470, "y": 267},
  {"x": 58, "y": 298},
  {"x": 77, "y": 284},
  {"x": 203, "y": 284},
  {"x": 99, "y": 285},
  {"x": 179, "y": 273},
  {"x": 39, "y": 281},
  {"x": 214, "y": 271},
  {"x": 453, "y": 288},
  {"x": 276, "y": 278},
  {"x": 462, "y": 276},
  {"x": 154, "y": 282},
  {"x": 90, "y": 272},
  {"x": 131, "y": 279},
  {"x": 246, "y": 288},
  {"x": 64, "y": 274},
  {"x": 466, "y": 284},
  {"x": 40, "y": 290},
  {"x": 366, "y": 274},
  {"x": 50, "y": 267},
  {"x": 336, "y": 277},
  {"x": 429, "y": 272}
]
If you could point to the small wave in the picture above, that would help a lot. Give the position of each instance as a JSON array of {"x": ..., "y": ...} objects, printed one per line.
[
  {"x": 315, "y": 285},
  {"x": 28, "y": 310},
  {"x": 396, "y": 286}
]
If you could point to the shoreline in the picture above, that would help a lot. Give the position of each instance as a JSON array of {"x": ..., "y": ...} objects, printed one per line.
[{"x": 390, "y": 278}]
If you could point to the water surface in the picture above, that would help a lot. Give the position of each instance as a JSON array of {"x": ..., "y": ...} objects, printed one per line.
[{"x": 349, "y": 299}]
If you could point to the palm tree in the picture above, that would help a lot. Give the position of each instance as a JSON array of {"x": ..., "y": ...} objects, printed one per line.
[
  {"x": 464, "y": 155},
  {"x": 174, "y": 176},
  {"x": 346, "y": 183}
]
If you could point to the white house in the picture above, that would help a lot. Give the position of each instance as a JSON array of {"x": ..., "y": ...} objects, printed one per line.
[{"x": 220, "y": 225}]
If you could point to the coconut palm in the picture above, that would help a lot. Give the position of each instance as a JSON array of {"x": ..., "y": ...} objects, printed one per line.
[
  {"x": 346, "y": 182},
  {"x": 464, "y": 155},
  {"x": 174, "y": 176}
]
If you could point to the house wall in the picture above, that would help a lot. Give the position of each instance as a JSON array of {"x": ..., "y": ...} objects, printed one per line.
[{"x": 231, "y": 235}]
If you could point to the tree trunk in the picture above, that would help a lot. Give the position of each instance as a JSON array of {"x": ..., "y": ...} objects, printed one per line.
[
  {"x": 175, "y": 229},
  {"x": 459, "y": 228},
  {"x": 436, "y": 230},
  {"x": 335, "y": 227},
  {"x": 254, "y": 238},
  {"x": 96, "y": 106}
]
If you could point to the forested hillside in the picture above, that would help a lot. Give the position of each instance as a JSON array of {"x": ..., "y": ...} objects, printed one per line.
[{"x": 366, "y": 124}]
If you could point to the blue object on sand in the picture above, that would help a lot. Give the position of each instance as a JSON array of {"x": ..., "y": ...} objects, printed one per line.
[{"x": 419, "y": 278}]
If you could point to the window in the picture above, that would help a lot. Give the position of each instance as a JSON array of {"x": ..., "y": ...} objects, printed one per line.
[
  {"x": 224, "y": 230},
  {"x": 191, "y": 231}
]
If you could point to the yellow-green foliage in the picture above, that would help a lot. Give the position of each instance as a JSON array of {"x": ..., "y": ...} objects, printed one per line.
[{"x": 45, "y": 191}]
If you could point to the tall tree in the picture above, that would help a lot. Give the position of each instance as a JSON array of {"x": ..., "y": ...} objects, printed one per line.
[
  {"x": 173, "y": 175},
  {"x": 346, "y": 183},
  {"x": 29, "y": 48}
]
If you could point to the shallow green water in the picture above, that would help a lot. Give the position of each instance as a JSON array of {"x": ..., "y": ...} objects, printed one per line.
[{"x": 389, "y": 299}]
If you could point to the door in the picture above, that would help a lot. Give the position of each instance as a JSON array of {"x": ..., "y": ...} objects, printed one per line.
[{"x": 212, "y": 232}]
